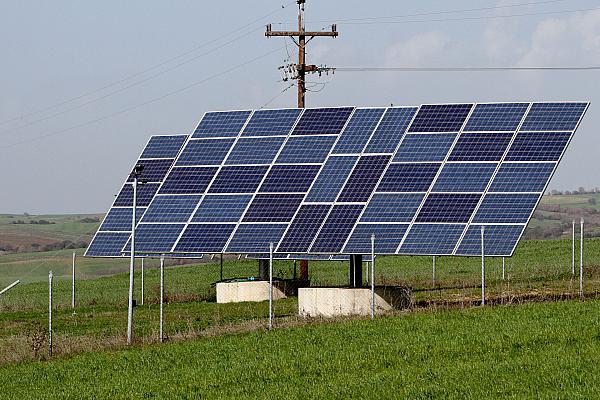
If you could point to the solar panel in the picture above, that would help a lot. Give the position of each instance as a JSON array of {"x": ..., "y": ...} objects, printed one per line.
[
  {"x": 158, "y": 156},
  {"x": 318, "y": 182}
]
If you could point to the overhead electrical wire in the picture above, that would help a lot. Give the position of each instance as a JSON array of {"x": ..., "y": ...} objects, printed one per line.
[
  {"x": 464, "y": 69},
  {"x": 151, "y": 68},
  {"x": 139, "y": 105},
  {"x": 424, "y": 14}
]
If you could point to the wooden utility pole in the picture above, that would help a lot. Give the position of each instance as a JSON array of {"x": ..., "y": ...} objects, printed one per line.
[
  {"x": 301, "y": 69},
  {"x": 301, "y": 34}
]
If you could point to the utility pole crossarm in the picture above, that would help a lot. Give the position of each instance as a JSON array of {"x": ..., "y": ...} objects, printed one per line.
[{"x": 301, "y": 67}]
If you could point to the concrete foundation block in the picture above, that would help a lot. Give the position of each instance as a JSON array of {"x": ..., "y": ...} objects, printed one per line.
[
  {"x": 332, "y": 302},
  {"x": 236, "y": 292}
]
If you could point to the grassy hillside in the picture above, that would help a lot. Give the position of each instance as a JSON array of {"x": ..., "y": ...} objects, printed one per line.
[{"x": 532, "y": 351}]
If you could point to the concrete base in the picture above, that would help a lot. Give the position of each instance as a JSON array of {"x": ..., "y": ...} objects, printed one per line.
[{"x": 332, "y": 302}]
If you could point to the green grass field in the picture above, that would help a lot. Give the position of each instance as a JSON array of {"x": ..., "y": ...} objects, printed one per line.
[{"x": 530, "y": 351}]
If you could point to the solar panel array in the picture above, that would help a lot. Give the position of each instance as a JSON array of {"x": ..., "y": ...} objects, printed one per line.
[{"x": 321, "y": 181}]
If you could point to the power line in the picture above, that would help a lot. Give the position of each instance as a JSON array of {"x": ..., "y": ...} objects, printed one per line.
[
  {"x": 460, "y": 69},
  {"x": 423, "y": 14},
  {"x": 139, "y": 105},
  {"x": 124, "y": 88},
  {"x": 474, "y": 18},
  {"x": 151, "y": 68}
]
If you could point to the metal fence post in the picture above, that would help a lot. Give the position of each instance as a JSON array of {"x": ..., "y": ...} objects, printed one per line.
[
  {"x": 373, "y": 275},
  {"x": 50, "y": 314},
  {"x": 73, "y": 284},
  {"x": 581, "y": 262},
  {"x": 270, "y": 285},
  {"x": 162, "y": 297},
  {"x": 433, "y": 276},
  {"x": 482, "y": 266},
  {"x": 573, "y": 251}
]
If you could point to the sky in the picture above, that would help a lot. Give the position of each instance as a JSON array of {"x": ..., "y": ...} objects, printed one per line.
[{"x": 84, "y": 84}]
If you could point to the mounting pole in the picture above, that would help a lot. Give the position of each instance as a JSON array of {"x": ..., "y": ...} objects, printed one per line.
[
  {"x": 221, "y": 267},
  {"x": 137, "y": 170},
  {"x": 482, "y": 267},
  {"x": 433, "y": 276},
  {"x": 581, "y": 262},
  {"x": 302, "y": 34},
  {"x": 503, "y": 268}
]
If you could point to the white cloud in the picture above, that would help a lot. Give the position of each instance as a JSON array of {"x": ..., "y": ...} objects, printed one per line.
[{"x": 419, "y": 49}]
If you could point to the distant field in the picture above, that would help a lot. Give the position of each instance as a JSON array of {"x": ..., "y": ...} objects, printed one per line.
[{"x": 532, "y": 351}]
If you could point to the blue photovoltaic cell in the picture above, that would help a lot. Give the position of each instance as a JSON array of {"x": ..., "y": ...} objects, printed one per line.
[
  {"x": 289, "y": 178},
  {"x": 357, "y": 133},
  {"x": 408, "y": 177},
  {"x": 164, "y": 146},
  {"x": 336, "y": 228},
  {"x": 204, "y": 238},
  {"x": 481, "y": 146},
  {"x": 506, "y": 208},
  {"x": 392, "y": 207},
  {"x": 145, "y": 193},
  {"x": 107, "y": 244},
  {"x": 448, "y": 207},
  {"x": 538, "y": 146},
  {"x": 238, "y": 179},
  {"x": 255, "y": 238},
  {"x": 424, "y": 147},
  {"x": 119, "y": 219},
  {"x": 303, "y": 229},
  {"x": 388, "y": 134},
  {"x": 322, "y": 121},
  {"x": 273, "y": 208},
  {"x": 553, "y": 116},
  {"x": 156, "y": 238},
  {"x": 434, "y": 239},
  {"x": 271, "y": 122},
  {"x": 221, "y": 124},
  {"x": 522, "y": 177},
  {"x": 188, "y": 180},
  {"x": 331, "y": 179},
  {"x": 496, "y": 117},
  {"x": 154, "y": 170},
  {"x": 171, "y": 208},
  {"x": 205, "y": 152},
  {"x": 221, "y": 208},
  {"x": 364, "y": 178},
  {"x": 497, "y": 240},
  {"x": 440, "y": 118},
  {"x": 306, "y": 149},
  {"x": 255, "y": 150},
  {"x": 464, "y": 177},
  {"x": 387, "y": 238}
]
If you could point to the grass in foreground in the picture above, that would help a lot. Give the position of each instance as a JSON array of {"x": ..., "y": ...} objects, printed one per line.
[{"x": 533, "y": 351}]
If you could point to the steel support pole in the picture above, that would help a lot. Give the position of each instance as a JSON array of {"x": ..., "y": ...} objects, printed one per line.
[
  {"x": 482, "y": 266},
  {"x": 372, "y": 275},
  {"x": 73, "y": 283},
  {"x": 162, "y": 298},
  {"x": 503, "y": 268},
  {"x": 573, "y": 251},
  {"x": 270, "y": 285},
  {"x": 221, "y": 267},
  {"x": 50, "y": 314},
  {"x": 142, "y": 283},
  {"x": 131, "y": 265},
  {"x": 581, "y": 262},
  {"x": 367, "y": 273}
]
